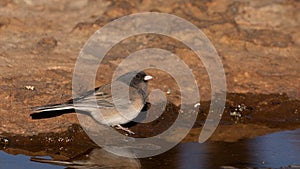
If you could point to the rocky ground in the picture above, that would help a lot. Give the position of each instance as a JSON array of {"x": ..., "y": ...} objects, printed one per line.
[{"x": 258, "y": 43}]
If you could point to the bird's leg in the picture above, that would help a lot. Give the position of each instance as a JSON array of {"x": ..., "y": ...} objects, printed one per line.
[{"x": 119, "y": 127}]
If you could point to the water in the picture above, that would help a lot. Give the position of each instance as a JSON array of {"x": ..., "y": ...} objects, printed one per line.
[
  {"x": 270, "y": 151},
  {"x": 275, "y": 150},
  {"x": 8, "y": 161}
]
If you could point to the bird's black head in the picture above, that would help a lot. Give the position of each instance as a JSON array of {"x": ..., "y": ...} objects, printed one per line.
[{"x": 135, "y": 79}]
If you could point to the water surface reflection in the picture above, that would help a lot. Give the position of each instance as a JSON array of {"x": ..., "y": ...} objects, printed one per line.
[
  {"x": 275, "y": 150},
  {"x": 269, "y": 151}
]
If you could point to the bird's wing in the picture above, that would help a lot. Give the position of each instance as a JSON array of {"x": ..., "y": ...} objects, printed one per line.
[
  {"x": 104, "y": 97},
  {"x": 101, "y": 94}
]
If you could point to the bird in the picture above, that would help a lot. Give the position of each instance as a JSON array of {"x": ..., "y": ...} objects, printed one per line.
[
  {"x": 97, "y": 158},
  {"x": 110, "y": 105}
]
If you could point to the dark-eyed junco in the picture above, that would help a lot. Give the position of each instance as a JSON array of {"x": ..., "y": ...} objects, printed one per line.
[
  {"x": 96, "y": 159},
  {"x": 130, "y": 105}
]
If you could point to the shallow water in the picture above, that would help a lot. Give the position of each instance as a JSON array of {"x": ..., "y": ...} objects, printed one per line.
[
  {"x": 8, "y": 161},
  {"x": 275, "y": 150}
]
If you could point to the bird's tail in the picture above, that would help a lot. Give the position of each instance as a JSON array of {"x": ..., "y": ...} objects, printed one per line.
[
  {"x": 49, "y": 161},
  {"x": 52, "y": 110},
  {"x": 52, "y": 107}
]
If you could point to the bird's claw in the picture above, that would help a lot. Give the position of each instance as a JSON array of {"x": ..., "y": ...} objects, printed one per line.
[{"x": 119, "y": 127}]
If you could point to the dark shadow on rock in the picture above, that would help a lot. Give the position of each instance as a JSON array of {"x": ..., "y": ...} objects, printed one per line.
[{"x": 50, "y": 114}]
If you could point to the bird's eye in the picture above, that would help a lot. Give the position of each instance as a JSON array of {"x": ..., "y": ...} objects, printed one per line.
[{"x": 138, "y": 76}]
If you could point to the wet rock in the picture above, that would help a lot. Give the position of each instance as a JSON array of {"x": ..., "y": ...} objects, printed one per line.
[{"x": 3, "y": 141}]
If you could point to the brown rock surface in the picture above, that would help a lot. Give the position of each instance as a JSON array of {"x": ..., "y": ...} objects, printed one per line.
[{"x": 258, "y": 42}]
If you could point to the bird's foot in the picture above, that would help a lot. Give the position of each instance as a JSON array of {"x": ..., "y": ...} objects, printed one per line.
[{"x": 119, "y": 127}]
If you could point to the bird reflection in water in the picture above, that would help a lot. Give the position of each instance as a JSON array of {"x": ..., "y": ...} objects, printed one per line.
[{"x": 95, "y": 159}]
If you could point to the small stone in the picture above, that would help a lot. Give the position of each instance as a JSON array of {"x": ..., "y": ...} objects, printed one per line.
[
  {"x": 3, "y": 140},
  {"x": 29, "y": 87},
  {"x": 169, "y": 91},
  {"x": 196, "y": 105}
]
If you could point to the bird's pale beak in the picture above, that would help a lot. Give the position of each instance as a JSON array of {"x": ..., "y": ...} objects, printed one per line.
[{"x": 146, "y": 78}]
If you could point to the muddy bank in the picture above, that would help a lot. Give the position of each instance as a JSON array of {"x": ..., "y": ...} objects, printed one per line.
[{"x": 245, "y": 116}]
